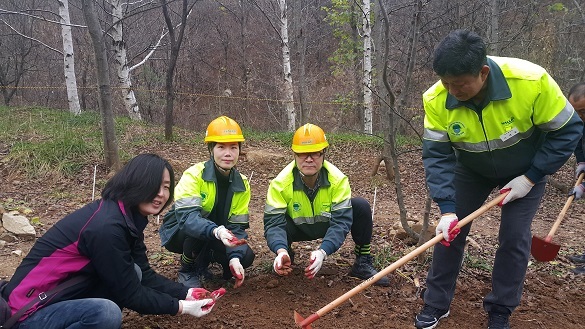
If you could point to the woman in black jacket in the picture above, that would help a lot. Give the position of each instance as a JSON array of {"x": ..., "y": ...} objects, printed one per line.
[{"x": 104, "y": 243}]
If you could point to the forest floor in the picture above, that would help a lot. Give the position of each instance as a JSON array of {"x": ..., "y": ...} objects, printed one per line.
[{"x": 553, "y": 296}]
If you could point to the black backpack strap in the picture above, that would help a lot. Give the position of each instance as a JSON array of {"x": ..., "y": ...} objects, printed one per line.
[{"x": 40, "y": 299}]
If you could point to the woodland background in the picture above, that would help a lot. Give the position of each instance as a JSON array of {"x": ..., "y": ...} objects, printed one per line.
[{"x": 230, "y": 59}]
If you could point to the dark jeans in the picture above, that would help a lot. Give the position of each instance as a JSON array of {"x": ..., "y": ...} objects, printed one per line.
[
  {"x": 87, "y": 313},
  {"x": 514, "y": 238},
  {"x": 361, "y": 227}
]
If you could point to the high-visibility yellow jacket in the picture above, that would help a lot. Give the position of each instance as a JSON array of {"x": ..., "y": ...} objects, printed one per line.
[
  {"x": 525, "y": 126},
  {"x": 329, "y": 216},
  {"x": 195, "y": 198}
]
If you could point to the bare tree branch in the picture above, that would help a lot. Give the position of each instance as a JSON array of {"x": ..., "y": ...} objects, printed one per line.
[{"x": 31, "y": 38}]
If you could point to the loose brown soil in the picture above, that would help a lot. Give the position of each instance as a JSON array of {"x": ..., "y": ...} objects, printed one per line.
[{"x": 553, "y": 296}]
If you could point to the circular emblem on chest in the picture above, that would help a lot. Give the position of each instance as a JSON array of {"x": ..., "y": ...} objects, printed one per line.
[{"x": 456, "y": 128}]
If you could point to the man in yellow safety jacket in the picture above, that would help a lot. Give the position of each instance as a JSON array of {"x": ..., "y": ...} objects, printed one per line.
[
  {"x": 210, "y": 215},
  {"x": 490, "y": 122},
  {"x": 577, "y": 99},
  {"x": 311, "y": 199}
]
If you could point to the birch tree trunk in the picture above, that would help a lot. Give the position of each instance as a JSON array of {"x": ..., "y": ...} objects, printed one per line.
[
  {"x": 68, "y": 58},
  {"x": 304, "y": 110},
  {"x": 105, "y": 89},
  {"x": 288, "y": 87},
  {"x": 494, "y": 29},
  {"x": 367, "y": 78},
  {"x": 121, "y": 61}
]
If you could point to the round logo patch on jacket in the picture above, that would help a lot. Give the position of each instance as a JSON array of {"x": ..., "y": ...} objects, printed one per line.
[
  {"x": 296, "y": 206},
  {"x": 457, "y": 128}
]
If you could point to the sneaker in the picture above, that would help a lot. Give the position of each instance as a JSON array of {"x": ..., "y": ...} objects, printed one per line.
[
  {"x": 189, "y": 278},
  {"x": 577, "y": 258},
  {"x": 429, "y": 317},
  {"x": 498, "y": 321},
  {"x": 579, "y": 270},
  {"x": 363, "y": 269}
]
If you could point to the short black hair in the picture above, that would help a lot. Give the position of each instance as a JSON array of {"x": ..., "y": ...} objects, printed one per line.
[
  {"x": 577, "y": 91},
  {"x": 461, "y": 52},
  {"x": 139, "y": 181}
]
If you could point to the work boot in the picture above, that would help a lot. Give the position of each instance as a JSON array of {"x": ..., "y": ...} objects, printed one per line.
[
  {"x": 204, "y": 273},
  {"x": 429, "y": 317},
  {"x": 498, "y": 320},
  {"x": 363, "y": 269},
  {"x": 577, "y": 258},
  {"x": 189, "y": 276}
]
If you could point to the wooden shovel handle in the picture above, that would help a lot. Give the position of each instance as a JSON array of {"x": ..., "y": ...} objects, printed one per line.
[
  {"x": 564, "y": 211},
  {"x": 406, "y": 258}
]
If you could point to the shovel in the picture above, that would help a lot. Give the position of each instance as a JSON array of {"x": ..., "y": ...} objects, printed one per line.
[
  {"x": 306, "y": 323},
  {"x": 543, "y": 250}
]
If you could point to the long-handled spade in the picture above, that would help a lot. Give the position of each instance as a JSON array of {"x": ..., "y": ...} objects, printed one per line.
[
  {"x": 306, "y": 323},
  {"x": 543, "y": 250}
]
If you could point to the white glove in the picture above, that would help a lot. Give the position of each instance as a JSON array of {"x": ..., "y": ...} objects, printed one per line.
[
  {"x": 580, "y": 169},
  {"x": 197, "y": 308},
  {"x": 317, "y": 258},
  {"x": 578, "y": 191},
  {"x": 282, "y": 263},
  {"x": 519, "y": 187},
  {"x": 226, "y": 236},
  {"x": 447, "y": 228},
  {"x": 237, "y": 271}
]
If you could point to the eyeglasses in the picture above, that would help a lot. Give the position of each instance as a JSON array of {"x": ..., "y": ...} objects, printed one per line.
[{"x": 313, "y": 155}]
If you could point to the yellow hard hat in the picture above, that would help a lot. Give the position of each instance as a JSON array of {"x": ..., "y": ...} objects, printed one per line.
[
  {"x": 223, "y": 130},
  {"x": 309, "y": 138}
]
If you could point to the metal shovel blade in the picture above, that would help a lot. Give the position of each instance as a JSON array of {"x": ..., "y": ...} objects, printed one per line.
[
  {"x": 543, "y": 250},
  {"x": 299, "y": 320}
]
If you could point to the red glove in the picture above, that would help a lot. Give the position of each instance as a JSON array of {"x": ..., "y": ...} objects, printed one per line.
[
  {"x": 227, "y": 237},
  {"x": 447, "y": 228},
  {"x": 200, "y": 294},
  {"x": 197, "y": 294},
  {"x": 237, "y": 271}
]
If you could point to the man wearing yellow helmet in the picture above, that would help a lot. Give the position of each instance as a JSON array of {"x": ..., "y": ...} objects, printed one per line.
[
  {"x": 311, "y": 199},
  {"x": 208, "y": 219}
]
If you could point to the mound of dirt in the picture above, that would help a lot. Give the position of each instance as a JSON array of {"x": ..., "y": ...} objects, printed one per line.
[{"x": 553, "y": 296}]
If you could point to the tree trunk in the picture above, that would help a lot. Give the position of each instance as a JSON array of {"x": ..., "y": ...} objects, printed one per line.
[
  {"x": 175, "y": 41},
  {"x": 104, "y": 87},
  {"x": 410, "y": 62},
  {"x": 494, "y": 29},
  {"x": 367, "y": 73},
  {"x": 287, "y": 83},
  {"x": 389, "y": 136},
  {"x": 121, "y": 61},
  {"x": 68, "y": 58},
  {"x": 304, "y": 110},
  {"x": 245, "y": 64}
]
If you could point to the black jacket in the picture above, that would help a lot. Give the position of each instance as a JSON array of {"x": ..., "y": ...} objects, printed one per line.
[{"x": 102, "y": 241}]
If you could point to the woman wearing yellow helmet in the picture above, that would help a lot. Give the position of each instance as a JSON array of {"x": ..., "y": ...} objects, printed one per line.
[{"x": 210, "y": 215}]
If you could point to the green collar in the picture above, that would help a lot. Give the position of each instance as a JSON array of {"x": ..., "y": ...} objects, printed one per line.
[{"x": 323, "y": 180}]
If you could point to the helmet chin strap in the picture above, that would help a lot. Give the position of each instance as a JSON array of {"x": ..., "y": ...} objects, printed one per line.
[{"x": 221, "y": 170}]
